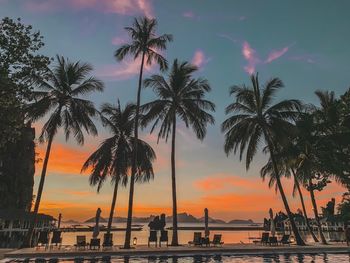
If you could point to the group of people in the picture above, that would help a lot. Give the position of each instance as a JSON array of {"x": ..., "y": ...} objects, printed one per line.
[{"x": 158, "y": 223}]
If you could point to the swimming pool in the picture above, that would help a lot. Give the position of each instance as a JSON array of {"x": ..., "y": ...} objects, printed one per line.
[{"x": 220, "y": 258}]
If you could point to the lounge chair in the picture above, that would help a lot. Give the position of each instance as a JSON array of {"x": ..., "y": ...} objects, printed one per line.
[
  {"x": 285, "y": 240},
  {"x": 152, "y": 237},
  {"x": 273, "y": 241},
  {"x": 56, "y": 239},
  {"x": 81, "y": 242},
  {"x": 217, "y": 240},
  {"x": 197, "y": 239},
  {"x": 107, "y": 240},
  {"x": 95, "y": 243},
  {"x": 163, "y": 237},
  {"x": 43, "y": 240},
  {"x": 265, "y": 238}
]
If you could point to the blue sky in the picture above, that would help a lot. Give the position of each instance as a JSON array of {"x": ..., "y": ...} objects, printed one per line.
[{"x": 305, "y": 43}]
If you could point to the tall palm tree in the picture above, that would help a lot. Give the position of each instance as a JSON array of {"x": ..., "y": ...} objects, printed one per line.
[
  {"x": 287, "y": 159},
  {"x": 307, "y": 162},
  {"x": 114, "y": 156},
  {"x": 145, "y": 44},
  {"x": 257, "y": 118},
  {"x": 179, "y": 97},
  {"x": 60, "y": 96}
]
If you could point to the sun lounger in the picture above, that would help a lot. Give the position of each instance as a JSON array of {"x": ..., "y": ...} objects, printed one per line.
[
  {"x": 273, "y": 241},
  {"x": 107, "y": 240},
  {"x": 56, "y": 239},
  {"x": 81, "y": 242},
  {"x": 152, "y": 237},
  {"x": 95, "y": 243},
  {"x": 43, "y": 240},
  {"x": 217, "y": 240},
  {"x": 285, "y": 240},
  {"x": 197, "y": 239},
  {"x": 264, "y": 238},
  {"x": 163, "y": 237}
]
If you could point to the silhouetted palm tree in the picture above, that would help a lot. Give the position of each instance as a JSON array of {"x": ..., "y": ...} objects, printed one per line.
[
  {"x": 179, "y": 97},
  {"x": 287, "y": 159},
  {"x": 145, "y": 44},
  {"x": 257, "y": 118},
  {"x": 307, "y": 161},
  {"x": 114, "y": 156},
  {"x": 60, "y": 96}
]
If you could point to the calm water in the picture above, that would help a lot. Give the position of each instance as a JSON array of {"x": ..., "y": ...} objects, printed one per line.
[
  {"x": 304, "y": 258},
  {"x": 229, "y": 237}
]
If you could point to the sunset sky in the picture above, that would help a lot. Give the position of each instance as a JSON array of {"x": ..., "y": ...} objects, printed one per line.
[{"x": 305, "y": 43}]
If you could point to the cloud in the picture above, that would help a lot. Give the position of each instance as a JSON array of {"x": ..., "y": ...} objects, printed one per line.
[
  {"x": 125, "y": 69},
  {"x": 223, "y": 181},
  {"x": 119, "y": 41},
  {"x": 63, "y": 158},
  {"x": 188, "y": 14},
  {"x": 199, "y": 59},
  {"x": 124, "y": 7},
  {"x": 275, "y": 54},
  {"x": 250, "y": 56}
]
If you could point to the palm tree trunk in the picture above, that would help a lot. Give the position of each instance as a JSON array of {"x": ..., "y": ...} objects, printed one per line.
[
  {"x": 134, "y": 160},
  {"x": 303, "y": 206},
  {"x": 111, "y": 213},
  {"x": 297, "y": 236},
  {"x": 28, "y": 240},
  {"x": 174, "y": 241},
  {"x": 314, "y": 207}
]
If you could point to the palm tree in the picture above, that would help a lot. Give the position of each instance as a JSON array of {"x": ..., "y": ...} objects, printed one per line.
[
  {"x": 307, "y": 162},
  {"x": 287, "y": 159},
  {"x": 180, "y": 96},
  {"x": 60, "y": 96},
  {"x": 114, "y": 156},
  {"x": 145, "y": 44},
  {"x": 257, "y": 118}
]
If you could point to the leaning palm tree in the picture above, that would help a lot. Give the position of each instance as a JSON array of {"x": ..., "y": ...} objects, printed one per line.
[
  {"x": 145, "y": 44},
  {"x": 309, "y": 147},
  {"x": 114, "y": 156},
  {"x": 179, "y": 97},
  {"x": 258, "y": 118},
  {"x": 287, "y": 159},
  {"x": 60, "y": 96}
]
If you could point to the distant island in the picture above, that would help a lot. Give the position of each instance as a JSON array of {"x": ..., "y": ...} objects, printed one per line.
[{"x": 181, "y": 217}]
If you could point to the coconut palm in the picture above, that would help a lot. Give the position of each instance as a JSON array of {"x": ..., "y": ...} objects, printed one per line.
[
  {"x": 253, "y": 117},
  {"x": 307, "y": 161},
  {"x": 114, "y": 156},
  {"x": 60, "y": 97},
  {"x": 180, "y": 97},
  {"x": 145, "y": 44},
  {"x": 287, "y": 159}
]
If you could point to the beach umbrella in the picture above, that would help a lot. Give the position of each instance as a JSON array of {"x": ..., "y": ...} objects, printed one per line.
[
  {"x": 97, "y": 227},
  {"x": 59, "y": 221},
  {"x": 206, "y": 222},
  {"x": 272, "y": 223}
]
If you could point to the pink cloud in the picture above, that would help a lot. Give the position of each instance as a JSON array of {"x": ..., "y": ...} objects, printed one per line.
[
  {"x": 118, "y": 41},
  {"x": 252, "y": 58},
  {"x": 123, "y": 70},
  {"x": 124, "y": 7},
  {"x": 188, "y": 14},
  {"x": 199, "y": 59},
  {"x": 275, "y": 54},
  {"x": 250, "y": 55}
]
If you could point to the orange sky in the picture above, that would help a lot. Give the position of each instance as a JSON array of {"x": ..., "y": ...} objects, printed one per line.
[{"x": 227, "y": 196}]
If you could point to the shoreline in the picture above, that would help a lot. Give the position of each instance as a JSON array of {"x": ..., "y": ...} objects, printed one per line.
[{"x": 184, "y": 250}]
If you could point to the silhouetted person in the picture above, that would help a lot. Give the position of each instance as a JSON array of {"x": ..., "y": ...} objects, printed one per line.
[
  {"x": 162, "y": 222},
  {"x": 347, "y": 234}
]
